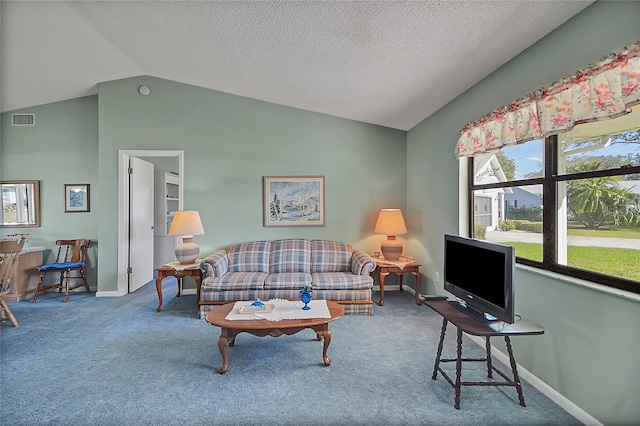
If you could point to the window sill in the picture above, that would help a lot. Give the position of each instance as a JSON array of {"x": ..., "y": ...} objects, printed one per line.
[{"x": 582, "y": 283}]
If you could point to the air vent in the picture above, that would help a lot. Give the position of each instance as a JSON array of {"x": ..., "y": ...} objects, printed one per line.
[{"x": 23, "y": 119}]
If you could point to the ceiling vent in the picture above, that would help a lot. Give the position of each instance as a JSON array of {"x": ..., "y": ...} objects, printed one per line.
[{"x": 23, "y": 119}]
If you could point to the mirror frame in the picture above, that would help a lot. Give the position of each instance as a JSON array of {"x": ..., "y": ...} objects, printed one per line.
[{"x": 36, "y": 203}]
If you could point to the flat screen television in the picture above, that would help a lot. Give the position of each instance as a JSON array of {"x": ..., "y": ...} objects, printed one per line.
[{"x": 480, "y": 274}]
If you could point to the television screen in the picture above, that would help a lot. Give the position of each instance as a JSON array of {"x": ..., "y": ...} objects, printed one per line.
[{"x": 480, "y": 274}]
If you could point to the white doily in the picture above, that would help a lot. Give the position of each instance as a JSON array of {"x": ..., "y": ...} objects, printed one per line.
[{"x": 284, "y": 309}]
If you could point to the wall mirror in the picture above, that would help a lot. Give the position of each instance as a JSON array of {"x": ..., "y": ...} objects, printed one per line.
[{"x": 20, "y": 203}]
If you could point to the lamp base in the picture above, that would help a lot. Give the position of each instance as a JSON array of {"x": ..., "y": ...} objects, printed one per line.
[
  {"x": 391, "y": 248},
  {"x": 187, "y": 251}
]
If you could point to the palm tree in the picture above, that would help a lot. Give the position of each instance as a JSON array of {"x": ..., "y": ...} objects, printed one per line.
[{"x": 595, "y": 201}]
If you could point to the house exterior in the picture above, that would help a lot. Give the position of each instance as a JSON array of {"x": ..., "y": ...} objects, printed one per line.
[
  {"x": 523, "y": 196},
  {"x": 524, "y": 202},
  {"x": 488, "y": 204},
  {"x": 632, "y": 186}
]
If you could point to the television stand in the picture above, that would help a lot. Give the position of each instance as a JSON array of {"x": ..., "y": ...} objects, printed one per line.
[
  {"x": 476, "y": 315},
  {"x": 464, "y": 323}
]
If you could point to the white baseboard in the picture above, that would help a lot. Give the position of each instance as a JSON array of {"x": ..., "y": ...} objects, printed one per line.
[
  {"x": 541, "y": 386},
  {"x": 393, "y": 287},
  {"x": 114, "y": 293}
]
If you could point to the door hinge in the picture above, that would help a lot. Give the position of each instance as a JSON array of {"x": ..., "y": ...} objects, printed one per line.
[
  {"x": 130, "y": 170},
  {"x": 129, "y": 270}
]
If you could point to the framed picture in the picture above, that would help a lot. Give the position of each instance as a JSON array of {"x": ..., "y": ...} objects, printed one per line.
[
  {"x": 76, "y": 198},
  {"x": 293, "y": 200}
]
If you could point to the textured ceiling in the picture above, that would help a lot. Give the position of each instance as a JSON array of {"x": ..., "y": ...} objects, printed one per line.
[{"x": 381, "y": 62}]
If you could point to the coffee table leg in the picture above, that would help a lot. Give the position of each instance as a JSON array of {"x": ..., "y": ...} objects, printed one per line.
[
  {"x": 222, "y": 345},
  {"x": 327, "y": 341},
  {"x": 227, "y": 337}
]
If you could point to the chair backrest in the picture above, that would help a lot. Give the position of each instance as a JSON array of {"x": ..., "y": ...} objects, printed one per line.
[
  {"x": 9, "y": 253},
  {"x": 18, "y": 237},
  {"x": 72, "y": 250}
]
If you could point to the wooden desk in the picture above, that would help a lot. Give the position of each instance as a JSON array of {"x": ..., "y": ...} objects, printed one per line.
[
  {"x": 25, "y": 278},
  {"x": 465, "y": 323},
  {"x": 178, "y": 272},
  {"x": 385, "y": 268}
]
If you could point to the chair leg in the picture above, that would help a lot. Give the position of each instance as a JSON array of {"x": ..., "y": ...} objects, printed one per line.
[
  {"x": 10, "y": 315},
  {"x": 84, "y": 279},
  {"x": 63, "y": 283},
  {"x": 66, "y": 287},
  {"x": 38, "y": 288}
]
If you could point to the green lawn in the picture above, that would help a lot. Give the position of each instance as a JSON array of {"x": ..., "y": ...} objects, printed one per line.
[
  {"x": 618, "y": 262},
  {"x": 607, "y": 232}
]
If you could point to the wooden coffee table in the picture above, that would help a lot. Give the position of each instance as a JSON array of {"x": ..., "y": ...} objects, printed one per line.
[{"x": 261, "y": 328}]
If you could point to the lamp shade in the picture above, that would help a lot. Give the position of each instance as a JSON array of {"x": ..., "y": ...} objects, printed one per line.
[
  {"x": 391, "y": 222},
  {"x": 187, "y": 223}
]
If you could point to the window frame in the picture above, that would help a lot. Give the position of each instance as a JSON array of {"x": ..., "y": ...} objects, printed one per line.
[{"x": 549, "y": 217}]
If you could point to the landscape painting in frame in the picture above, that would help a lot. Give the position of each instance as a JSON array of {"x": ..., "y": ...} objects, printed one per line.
[
  {"x": 293, "y": 200},
  {"x": 76, "y": 198}
]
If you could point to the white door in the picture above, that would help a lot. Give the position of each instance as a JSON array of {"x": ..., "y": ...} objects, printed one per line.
[{"x": 140, "y": 223}]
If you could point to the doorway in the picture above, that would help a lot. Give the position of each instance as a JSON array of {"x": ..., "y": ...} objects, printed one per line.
[{"x": 124, "y": 194}]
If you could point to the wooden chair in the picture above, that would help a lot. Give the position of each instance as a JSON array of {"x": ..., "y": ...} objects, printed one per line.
[
  {"x": 71, "y": 257},
  {"x": 9, "y": 253}
]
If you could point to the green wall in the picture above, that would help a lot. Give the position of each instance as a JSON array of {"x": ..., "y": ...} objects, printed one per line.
[
  {"x": 61, "y": 148},
  {"x": 230, "y": 143},
  {"x": 591, "y": 347}
]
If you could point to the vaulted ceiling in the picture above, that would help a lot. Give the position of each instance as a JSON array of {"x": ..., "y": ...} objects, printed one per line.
[{"x": 382, "y": 62}]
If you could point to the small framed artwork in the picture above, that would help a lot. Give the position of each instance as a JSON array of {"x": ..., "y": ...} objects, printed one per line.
[
  {"x": 76, "y": 198},
  {"x": 293, "y": 200}
]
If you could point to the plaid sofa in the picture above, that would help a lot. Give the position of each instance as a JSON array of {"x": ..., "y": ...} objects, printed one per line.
[{"x": 280, "y": 268}]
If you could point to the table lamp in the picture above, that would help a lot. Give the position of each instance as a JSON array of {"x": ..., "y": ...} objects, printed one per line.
[
  {"x": 187, "y": 223},
  {"x": 391, "y": 223}
]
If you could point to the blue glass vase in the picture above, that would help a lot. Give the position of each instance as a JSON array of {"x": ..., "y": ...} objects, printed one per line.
[{"x": 305, "y": 296}]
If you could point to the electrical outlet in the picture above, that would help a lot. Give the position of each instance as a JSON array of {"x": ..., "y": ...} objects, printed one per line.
[{"x": 437, "y": 276}]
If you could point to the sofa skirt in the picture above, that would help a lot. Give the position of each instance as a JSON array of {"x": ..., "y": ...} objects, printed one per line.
[{"x": 354, "y": 302}]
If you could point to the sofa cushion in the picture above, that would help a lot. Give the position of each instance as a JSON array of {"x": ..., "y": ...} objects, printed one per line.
[
  {"x": 235, "y": 281},
  {"x": 340, "y": 281},
  {"x": 287, "y": 281},
  {"x": 330, "y": 256},
  {"x": 249, "y": 257},
  {"x": 290, "y": 255}
]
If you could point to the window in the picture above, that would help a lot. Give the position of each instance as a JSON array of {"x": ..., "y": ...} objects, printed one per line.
[{"x": 569, "y": 203}]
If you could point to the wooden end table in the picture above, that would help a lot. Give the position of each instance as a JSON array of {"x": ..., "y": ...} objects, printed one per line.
[
  {"x": 385, "y": 268},
  {"x": 263, "y": 327},
  {"x": 467, "y": 324},
  {"x": 175, "y": 269}
]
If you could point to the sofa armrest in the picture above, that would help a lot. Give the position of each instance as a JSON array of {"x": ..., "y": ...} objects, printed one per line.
[
  {"x": 362, "y": 263},
  {"x": 215, "y": 265}
]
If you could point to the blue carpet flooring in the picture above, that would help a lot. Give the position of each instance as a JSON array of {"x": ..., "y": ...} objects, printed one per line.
[{"x": 114, "y": 361}]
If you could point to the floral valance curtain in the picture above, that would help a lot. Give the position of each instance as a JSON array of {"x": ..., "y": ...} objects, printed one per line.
[{"x": 601, "y": 91}]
